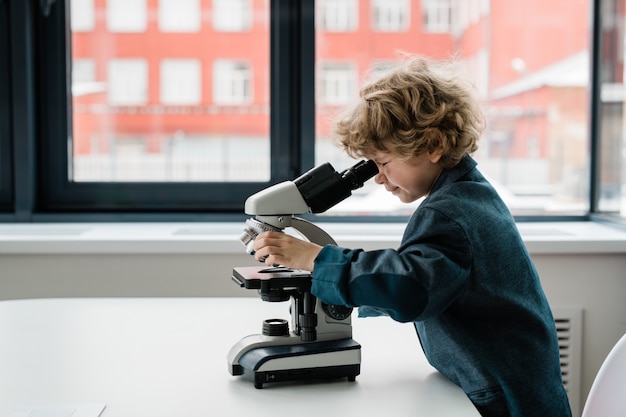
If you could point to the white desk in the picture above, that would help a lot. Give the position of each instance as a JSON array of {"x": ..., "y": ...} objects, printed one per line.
[{"x": 167, "y": 357}]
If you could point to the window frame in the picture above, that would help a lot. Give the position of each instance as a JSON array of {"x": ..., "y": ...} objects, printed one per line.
[
  {"x": 595, "y": 108},
  {"x": 33, "y": 169},
  {"x": 54, "y": 197},
  {"x": 6, "y": 160}
]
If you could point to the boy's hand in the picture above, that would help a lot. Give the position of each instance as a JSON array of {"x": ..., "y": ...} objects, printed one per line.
[{"x": 276, "y": 248}]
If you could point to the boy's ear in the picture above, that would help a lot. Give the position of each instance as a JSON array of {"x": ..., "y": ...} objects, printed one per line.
[
  {"x": 433, "y": 137},
  {"x": 435, "y": 156}
]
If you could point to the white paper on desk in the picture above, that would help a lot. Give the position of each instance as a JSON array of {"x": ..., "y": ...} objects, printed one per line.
[{"x": 72, "y": 410}]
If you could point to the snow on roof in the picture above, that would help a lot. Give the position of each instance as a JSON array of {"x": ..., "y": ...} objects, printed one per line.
[{"x": 572, "y": 71}]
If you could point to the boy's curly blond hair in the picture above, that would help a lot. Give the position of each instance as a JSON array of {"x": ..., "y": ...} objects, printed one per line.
[{"x": 419, "y": 106}]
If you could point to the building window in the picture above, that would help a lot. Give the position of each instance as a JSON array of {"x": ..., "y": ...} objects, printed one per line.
[
  {"x": 82, "y": 15},
  {"x": 181, "y": 82},
  {"x": 84, "y": 80},
  {"x": 232, "y": 82},
  {"x": 179, "y": 15},
  {"x": 337, "y": 83},
  {"x": 127, "y": 15},
  {"x": 232, "y": 15},
  {"x": 339, "y": 15},
  {"x": 391, "y": 15},
  {"x": 437, "y": 15},
  {"x": 127, "y": 82}
]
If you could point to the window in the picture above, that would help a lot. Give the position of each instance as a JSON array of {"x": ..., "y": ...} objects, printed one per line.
[
  {"x": 337, "y": 83},
  {"x": 528, "y": 60},
  {"x": 232, "y": 15},
  {"x": 141, "y": 134},
  {"x": 82, "y": 15},
  {"x": 179, "y": 15},
  {"x": 231, "y": 82},
  {"x": 463, "y": 14},
  {"x": 181, "y": 81},
  {"x": 127, "y": 15},
  {"x": 127, "y": 82},
  {"x": 339, "y": 15},
  {"x": 150, "y": 108},
  {"x": 437, "y": 15},
  {"x": 165, "y": 110},
  {"x": 390, "y": 15}
]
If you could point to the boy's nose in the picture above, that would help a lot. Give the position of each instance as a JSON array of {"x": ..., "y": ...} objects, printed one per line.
[{"x": 379, "y": 178}]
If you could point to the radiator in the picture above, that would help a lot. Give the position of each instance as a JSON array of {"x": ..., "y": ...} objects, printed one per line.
[{"x": 569, "y": 325}]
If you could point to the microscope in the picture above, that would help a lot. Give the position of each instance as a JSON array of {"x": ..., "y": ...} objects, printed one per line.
[{"x": 317, "y": 341}]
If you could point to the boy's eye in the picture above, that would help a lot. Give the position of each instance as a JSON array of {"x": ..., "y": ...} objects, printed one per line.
[{"x": 381, "y": 163}]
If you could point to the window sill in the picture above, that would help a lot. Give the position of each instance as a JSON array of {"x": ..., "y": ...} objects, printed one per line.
[{"x": 216, "y": 238}]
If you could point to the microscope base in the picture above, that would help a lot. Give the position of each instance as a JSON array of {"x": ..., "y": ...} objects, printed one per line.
[
  {"x": 307, "y": 361},
  {"x": 331, "y": 372}
]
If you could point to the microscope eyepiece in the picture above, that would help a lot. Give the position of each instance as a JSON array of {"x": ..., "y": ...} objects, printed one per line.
[
  {"x": 322, "y": 187},
  {"x": 359, "y": 173}
]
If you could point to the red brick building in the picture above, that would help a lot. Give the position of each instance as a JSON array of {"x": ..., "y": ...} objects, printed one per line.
[{"x": 149, "y": 74}]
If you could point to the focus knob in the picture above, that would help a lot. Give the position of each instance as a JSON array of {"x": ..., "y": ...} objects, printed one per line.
[{"x": 275, "y": 327}]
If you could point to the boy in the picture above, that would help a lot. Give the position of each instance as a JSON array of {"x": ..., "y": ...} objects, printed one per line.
[{"x": 462, "y": 273}]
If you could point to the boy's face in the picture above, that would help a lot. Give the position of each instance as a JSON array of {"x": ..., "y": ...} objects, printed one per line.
[{"x": 408, "y": 179}]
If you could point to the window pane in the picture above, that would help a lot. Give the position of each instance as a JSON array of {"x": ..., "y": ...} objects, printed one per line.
[
  {"x": 438, "y": 15},
  {"x": 179, "y": 15},
  {"x": 231, "y": 82},
  {"x": 338, "y": 82},
  {"x": 82, "y": 15},
  {"x": 162, "y": 94},
  {"x": 390, "y": 15},
  {"x": 612, "y": 178},
  {"x": 127, "y": 82},
  {"x": 232, "y": 15},
  {"x": 126, "y": 15},
  {"x": 339, "y": 15},
  {"x": 181, "y": 81},
  {"x": 529, "y": 61}
]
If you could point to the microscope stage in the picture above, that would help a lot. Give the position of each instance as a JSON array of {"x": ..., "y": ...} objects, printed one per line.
[{"x": 271, "y": 278}]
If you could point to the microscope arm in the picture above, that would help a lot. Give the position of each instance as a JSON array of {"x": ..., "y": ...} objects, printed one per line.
[{"x": 312, "y": 232}]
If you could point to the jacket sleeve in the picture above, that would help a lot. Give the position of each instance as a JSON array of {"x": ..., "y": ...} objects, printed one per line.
[{"x": 419, "y": 280}]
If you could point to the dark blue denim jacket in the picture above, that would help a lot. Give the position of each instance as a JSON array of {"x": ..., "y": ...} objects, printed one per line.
[{"x": 463, "y": 275}]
